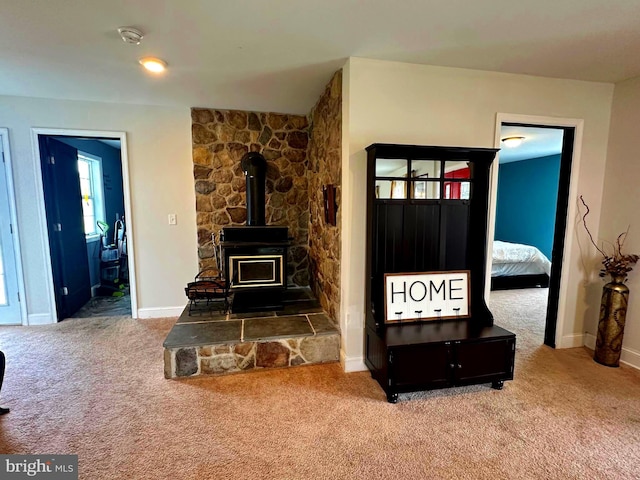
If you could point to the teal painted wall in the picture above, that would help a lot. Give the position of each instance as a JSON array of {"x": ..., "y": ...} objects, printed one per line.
[{"x": 526, "y": 205}]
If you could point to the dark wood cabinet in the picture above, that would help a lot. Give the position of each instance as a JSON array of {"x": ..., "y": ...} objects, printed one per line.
[{"x": 427, "y": 212}]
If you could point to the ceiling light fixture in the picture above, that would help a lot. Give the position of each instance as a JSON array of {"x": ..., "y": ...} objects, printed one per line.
[
  {"x": 153, "y": 64},
  {"x": 512, "y": 142},
  {"x": 131, "y": 35}
]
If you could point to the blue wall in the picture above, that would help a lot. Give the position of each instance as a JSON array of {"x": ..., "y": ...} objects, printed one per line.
[{"x": 527, "y": 197}]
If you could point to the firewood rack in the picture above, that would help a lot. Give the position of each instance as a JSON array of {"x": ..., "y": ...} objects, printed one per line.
[{"x": 209, "y": 288}]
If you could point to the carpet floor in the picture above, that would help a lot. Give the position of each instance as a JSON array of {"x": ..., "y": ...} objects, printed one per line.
[{"x": 95, "y": 388}]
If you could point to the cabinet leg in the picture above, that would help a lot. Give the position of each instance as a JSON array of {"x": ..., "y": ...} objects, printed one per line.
[
  {"x": 392, "y": 397},
  {"x": 498, "y": 384}
]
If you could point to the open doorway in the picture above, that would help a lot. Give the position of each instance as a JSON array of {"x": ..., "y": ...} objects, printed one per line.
[
  {"x": 84, "y": 180},
  {"x": 531, "y": 214}
]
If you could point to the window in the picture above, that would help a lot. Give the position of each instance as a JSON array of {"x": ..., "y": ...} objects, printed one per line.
[{"x": 90, "y": 172}]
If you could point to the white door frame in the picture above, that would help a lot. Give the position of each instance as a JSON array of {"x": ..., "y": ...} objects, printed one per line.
[
  {"x": 122, "y": 136},
  {"x": 569, "y": 234},
  {"x": 4, "y": 137}
]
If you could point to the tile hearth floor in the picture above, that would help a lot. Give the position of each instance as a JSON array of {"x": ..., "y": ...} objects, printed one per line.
[{"x": 209, "y": 341}]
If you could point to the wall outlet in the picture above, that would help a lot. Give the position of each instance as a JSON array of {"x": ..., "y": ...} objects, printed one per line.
[{"x": 173, "y": 219}]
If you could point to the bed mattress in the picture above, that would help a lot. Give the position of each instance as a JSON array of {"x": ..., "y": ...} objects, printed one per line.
[{"x": 511, "y": 259}]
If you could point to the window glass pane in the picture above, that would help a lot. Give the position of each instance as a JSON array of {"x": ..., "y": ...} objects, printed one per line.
[
  {"x": 425, "y": 168},
  {"x": 83, "y": 168},
  {"x": 88, "y": 212},
  {"x": 426, "y": 190},
  {"x": 457, "y": 190},
  {"x": 465, "y": 190},
  {"x": 457, "y": 169},
  {"x": 85, "y": 187},
  {"x": 90, "y": 175},
  {"x": 391, "y": 167},
  {"x": 391, "y": 189},
  {"x": 89, "y": 224},
  {"x": 87, "y": 206}
]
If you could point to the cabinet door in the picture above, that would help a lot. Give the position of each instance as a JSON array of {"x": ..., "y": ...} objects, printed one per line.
[
  {"x": 484, "y": 361},
  {"x": 426, "y": 366}
]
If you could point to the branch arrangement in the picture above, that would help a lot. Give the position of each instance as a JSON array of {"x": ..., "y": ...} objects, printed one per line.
[{"x": 617, "y": 264}]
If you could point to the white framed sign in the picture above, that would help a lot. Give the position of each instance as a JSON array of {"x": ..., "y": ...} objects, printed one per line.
[{"x": 426, "y": 296}]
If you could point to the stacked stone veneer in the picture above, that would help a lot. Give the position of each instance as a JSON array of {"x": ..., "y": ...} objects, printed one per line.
[
  {"x": 302, "y": 157},
  {"x": 220, "y": 140},
  {"x": 325, "y": 168},
  {"x": 233, "y": 358}
]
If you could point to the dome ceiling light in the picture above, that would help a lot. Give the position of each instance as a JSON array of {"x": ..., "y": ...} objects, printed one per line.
[{"x": 512, "y": 142}]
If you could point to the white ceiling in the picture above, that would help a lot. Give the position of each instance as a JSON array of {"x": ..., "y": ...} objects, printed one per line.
[
  {"x": 278, "y": 55},
  {"x": 538, "y": 142}
]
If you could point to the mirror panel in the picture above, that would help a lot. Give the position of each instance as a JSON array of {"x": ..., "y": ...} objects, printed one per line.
[{"x": 392, "y": 167}]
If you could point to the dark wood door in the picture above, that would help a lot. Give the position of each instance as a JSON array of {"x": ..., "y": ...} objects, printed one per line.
[
  {"x": 67, "y": 242},
  {"x": 420, "y": 366},
  {"x": 483, "y": 361}
]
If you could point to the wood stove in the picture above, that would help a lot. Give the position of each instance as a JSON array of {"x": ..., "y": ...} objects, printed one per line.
[{"x": 255, "y": 255}]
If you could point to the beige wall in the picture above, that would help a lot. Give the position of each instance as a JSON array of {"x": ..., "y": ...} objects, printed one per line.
[
  {"x": 620, "y": 204},
  {"x": 388, "y": 102},
  {"x": 161, "y": 178}
]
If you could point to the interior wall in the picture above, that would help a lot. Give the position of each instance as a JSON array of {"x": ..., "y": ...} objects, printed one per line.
[
  {"x": 325, "y": 168},
  {"x": 526, "y": 205},
  {"x": 390, "y": 102},
  {"x": 161, "y": 181},
  {"x": 620, "y": 208}
]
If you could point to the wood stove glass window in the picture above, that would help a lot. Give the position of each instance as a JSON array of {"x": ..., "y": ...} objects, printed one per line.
[{"x": 256, "y": 270}]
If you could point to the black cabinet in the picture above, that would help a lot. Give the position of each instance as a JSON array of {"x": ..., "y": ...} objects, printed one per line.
[{"x": 427, "y": 212}]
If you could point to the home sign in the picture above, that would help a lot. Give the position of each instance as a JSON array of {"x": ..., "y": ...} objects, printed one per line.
[{"x": 426, "y": 296}]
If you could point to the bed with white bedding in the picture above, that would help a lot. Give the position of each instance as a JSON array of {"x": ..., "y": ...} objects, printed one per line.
[{"x": 518, "y": 266}]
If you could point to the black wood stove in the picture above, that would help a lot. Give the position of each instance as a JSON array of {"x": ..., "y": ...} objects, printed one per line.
[{"x": 255, "y": 255}]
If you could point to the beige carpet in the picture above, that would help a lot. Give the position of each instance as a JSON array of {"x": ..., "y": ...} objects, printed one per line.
[{"x": 95, "y": 388}]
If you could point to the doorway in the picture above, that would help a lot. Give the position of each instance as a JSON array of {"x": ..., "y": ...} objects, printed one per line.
[
  {"x": 85, "y": 201},
  {"x": 556, "y": 220},
  {"x": 12, "y": 309}
]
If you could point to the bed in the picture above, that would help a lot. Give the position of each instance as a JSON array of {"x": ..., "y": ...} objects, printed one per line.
[{"x": 518, "y": 266}]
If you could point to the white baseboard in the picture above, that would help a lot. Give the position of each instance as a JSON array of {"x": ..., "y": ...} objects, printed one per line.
[
  {"x": 353, "y": 364},
  {"x": 628, "y": 356},
  {"x": 571, "y": 341},
  {"x": 40, "y": 319},
  {"x": 160, "y": 312}
]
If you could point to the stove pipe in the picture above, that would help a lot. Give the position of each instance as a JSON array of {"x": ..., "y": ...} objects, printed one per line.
[{"x": 254, "y": 166}]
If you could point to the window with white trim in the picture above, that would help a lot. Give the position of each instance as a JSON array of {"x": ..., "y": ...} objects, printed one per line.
[{"x": 90, "y": 171}]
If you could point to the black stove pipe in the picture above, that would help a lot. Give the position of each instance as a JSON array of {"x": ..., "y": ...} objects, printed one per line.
[{"x": 254, "y": 166}]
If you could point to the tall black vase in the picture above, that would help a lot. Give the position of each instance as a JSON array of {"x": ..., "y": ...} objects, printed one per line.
[{"x": 613, "y": 313}]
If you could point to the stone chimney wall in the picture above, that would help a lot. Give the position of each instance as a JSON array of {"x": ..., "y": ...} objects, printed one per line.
[
  {"x": 325, "y": 168},
  {"x": 220, "y": 139}
]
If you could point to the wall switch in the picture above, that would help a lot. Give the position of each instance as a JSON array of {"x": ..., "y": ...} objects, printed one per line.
[{"x": 173, "y": 219}]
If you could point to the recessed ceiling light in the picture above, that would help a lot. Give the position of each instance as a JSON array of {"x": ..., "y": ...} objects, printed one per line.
[
  {"x": 131, "y": 35},
  {"x": 153, "y": 64},
  {"x": 512, "y": 142}
]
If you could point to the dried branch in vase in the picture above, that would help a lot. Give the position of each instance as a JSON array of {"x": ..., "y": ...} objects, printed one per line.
[{"x": 617, "y": 264}]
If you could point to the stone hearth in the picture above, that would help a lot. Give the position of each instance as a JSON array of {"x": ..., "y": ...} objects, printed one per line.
[{"x": 209, "y": 342}]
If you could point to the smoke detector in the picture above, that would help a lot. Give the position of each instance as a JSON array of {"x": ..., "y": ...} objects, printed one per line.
[{"x": 130, "y": 35}]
